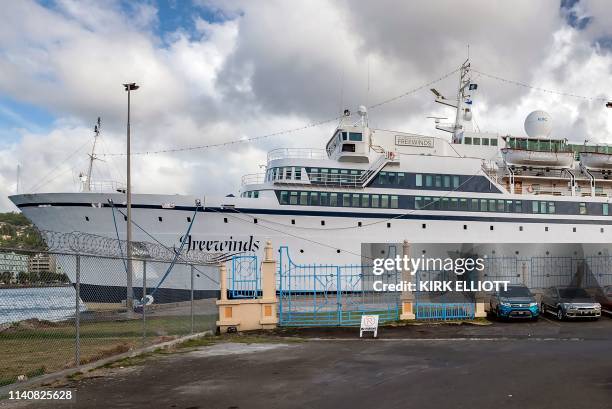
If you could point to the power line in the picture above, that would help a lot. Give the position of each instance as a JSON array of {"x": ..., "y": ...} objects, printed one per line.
[
  {"x": 286, "y": 131},
  {"x": 549, "y": 91}
]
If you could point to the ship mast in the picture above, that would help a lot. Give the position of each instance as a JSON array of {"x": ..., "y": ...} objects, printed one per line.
[{"x": 92, "y": 157}]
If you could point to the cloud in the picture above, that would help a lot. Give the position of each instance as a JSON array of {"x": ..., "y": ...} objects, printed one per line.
[{"x": 240, "y": 68}]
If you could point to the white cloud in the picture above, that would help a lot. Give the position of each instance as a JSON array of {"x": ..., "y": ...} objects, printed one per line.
[{"x": 274, "y": 65}]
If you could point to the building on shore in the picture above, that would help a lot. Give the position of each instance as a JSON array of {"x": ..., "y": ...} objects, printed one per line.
[
  {"x": 11, "y": 265},
  {"x": 41, "y": 264}
]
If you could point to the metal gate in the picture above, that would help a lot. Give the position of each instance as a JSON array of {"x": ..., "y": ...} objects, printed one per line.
[
  {"x": 332, "y": 295},
  {"x": 244, "y": 279},
  {"x": 441, "y": 305}
]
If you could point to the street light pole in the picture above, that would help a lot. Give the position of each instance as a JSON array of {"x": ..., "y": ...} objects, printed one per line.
[{"x": 129, "y": 301}]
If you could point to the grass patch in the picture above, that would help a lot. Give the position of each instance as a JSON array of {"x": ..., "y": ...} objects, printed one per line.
[{"x": 24, "y": 347}]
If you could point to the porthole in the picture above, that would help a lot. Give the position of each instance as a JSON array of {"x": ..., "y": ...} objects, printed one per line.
[
  {"x": 520, "y": 228},
  {"x": 255, "y": 221},
  {"x": 301, "y": 251},
  {"x": 465, "y": 227},
  {"x": 490, "y": 227},
  {"x": 388, "y": 225},
  {"x": 322, "y": 222},
  {"x": 125, "y": 220},
  {"x": 516, "y": 252},
  {"x": 547, "y": 252},
  {"x": 188, "y": 219},
  {"x": 197, "y": 275},
  {"x": 546, "y": 228},
  {"x": 601, "y": 230},
  {"x": 87, "y": 218},
  {"x": 338, "y": 251},
  {"x": 382, "y": 252},
  {"x": 160, "y": 218},
  {"x": 574, "y": 229},
  {"x": 292, "y": 221},
  {"x": 424, "y": 251},
  {"x": 225, "y": 220},
  {"x": 358, "y": 224},
  {"x": 424, "y": 226}
]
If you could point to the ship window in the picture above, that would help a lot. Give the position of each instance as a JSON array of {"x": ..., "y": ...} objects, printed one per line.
[
  {"x": 518, "y": 206},
  {"x": 392, "y": 178},
  {"x": 546, "y": 228},
  {"x": 444, "y": 204},
  {"x": 382, "y": 178},
  {"x": 485, "y": 141},
  {"x": 424, "y": 226},
  {"x": 493, "y": 141},
  {"x": 447, "y": 181},
  {"x": 551, "y": 207},
  {"x": 542, "y": 207},
  {"x": 384, "y": 201},
  {"x": 255, "y": 221},
  {"x": 574, "y": 229},
  {"x": 520, "y": 228},
  {"x": 604, "y": 209},
  {"x": 583, "y": 208},
  {"x": 601, "y": 229},
  {"x": 358, "y": 224},
  {"x": 483, "y": 205},
  {"x": 256, "y": 194},
  {"x": 346, "y": 199},
  {"x": 419, "y": 179},
  {"x": 303, "y": 198},
  {"x": 500, "y": 205},
  {"x": 534, "y": 207},
  {"x": 365, "y": 200},
  {"x": 508, "y": 206},
  {"x": 322, "y": 224},
  {"x": 87, "y": 218},
  {"x": 375, "y": 200},
  {"x": 428, "y": 180},
  {"x": 474, "y": 205},
  {"x": 324, "y": 199},
  {"x": 284, "y": 197},
  {"x": 432, "y": 203},
  {"x": 465, "y": 227},
  {"x": 394, "y": 202},
  {"x": 463, "y": 204},
  {"x": 292, "y": 221},
  {"x": 355, "y": 202},
  {"x": 125, "y": 218},
  {"x": 438, "y": 180},
  {"x": 348, "y": 147},
  {"x": 333, "y": 199},
  {"x": 225, "y": 220},
  {"x": 160, "y": 218},
  {"x": 492, "y": 206},
  {"x": 314, "y": 198},
  {"x": 467, "y": 140},
  {"x": 490, "y": 227},
  {"x": 289, "y": 173},
  {"x": 401, "y": 179},
  {"x": 344, "y": 134},
  {"x": 188, "y": 219},
  {"x": 476, "y": 141},
  {"x": 388, "y": 225},
  {"x": 298, "y": 174},
  {"x": 417, "y": 202},
  {"x": 355, "y": 136},
  {"x": 455, "y": 181},
  {"x": 293, "y": 198},
  {"x": 454, "y": 204}
]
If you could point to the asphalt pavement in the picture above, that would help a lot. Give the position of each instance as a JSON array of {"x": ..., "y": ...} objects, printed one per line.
[{"x": 547, "y": 364}]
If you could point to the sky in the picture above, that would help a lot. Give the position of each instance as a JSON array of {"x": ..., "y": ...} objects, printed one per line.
[{"x": 212, "y": 71}]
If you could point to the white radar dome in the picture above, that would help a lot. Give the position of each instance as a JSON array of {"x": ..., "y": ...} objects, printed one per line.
[{"x": 538, "y": 124}]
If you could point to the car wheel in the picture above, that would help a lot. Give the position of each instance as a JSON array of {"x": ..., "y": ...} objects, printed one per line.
[{"x": 560, "y": 314}]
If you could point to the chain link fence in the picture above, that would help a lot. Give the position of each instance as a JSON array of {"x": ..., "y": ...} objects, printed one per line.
[{"x": 63, "y": 309}]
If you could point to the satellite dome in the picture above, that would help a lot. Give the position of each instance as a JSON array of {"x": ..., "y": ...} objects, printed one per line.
[{"x": 538, "y": 124}]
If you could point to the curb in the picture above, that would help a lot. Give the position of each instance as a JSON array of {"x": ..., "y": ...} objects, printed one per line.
[{"x": 4, "y": 390}]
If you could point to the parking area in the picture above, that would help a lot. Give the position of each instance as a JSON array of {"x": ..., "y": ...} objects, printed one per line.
[{"x": 544, "y": 364}]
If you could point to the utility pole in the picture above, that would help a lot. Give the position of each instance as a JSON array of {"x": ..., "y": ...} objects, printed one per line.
[{"x": 129, "y": 301}]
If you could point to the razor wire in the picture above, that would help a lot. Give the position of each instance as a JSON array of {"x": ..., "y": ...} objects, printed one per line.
[{"x": 91, "y": 244}]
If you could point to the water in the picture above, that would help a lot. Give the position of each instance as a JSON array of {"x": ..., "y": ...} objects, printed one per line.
[{"x": 45, "y": 303}]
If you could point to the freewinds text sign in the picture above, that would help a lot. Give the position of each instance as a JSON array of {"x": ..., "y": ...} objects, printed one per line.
[{"x": 420, "y": 141}]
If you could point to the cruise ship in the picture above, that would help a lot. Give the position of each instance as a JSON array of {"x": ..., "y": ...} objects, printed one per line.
[{"x": 368, "y": 186}]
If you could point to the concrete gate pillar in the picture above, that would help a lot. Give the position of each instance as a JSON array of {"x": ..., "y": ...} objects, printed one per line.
[
  {"x": 480, "y": 299},
  {"x": 252, "y": 313},
  {"x": 407, "y": 297}
]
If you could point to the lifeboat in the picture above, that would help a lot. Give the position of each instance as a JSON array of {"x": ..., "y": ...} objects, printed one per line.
[
  {"x": 524, "y": 157},
  {"x": 596, "y": 160}
]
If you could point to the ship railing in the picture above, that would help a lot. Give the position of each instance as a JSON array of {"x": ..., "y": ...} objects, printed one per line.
[
  {"x": 297, "y": 153},
  {"x": 253, "y": 179},
  {"x": 105, "y": 186}
]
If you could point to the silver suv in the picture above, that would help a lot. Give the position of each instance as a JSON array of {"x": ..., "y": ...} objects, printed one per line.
[{"x": 570, "y": 302}]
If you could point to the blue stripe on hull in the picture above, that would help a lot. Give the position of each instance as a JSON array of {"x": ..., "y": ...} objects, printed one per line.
[{"x": 116, "y": 294}]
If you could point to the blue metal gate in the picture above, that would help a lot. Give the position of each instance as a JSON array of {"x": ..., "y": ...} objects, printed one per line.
[
  {"x": 439, "y": 305},
  {"x": 332, "y": 295},
  {"x": 244, "y": 279}
]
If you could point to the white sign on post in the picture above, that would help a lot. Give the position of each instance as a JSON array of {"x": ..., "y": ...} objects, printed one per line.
[{"x": 369, "y": 323}]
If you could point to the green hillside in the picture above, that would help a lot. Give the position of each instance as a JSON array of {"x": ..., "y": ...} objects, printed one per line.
[{"x": 17, "y": 232}]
